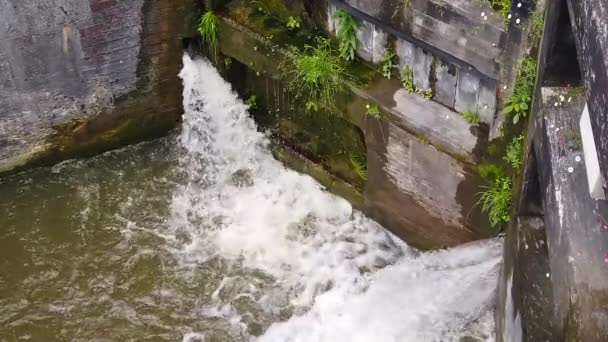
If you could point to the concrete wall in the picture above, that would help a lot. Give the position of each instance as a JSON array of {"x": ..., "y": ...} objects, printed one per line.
[
  {"x": 589, "y": 25},
  {"x": 422, "y": 181},
  {"x": 84, "y": 75},
  {"x": 450, "y": 47}
]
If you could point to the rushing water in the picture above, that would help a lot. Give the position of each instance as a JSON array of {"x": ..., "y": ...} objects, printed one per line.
[{"x": 203, "y": 236}]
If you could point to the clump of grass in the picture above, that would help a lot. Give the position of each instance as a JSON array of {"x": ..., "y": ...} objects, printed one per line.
[
  {"x": 347, "y": 34},
  {"x": 503, "y": 7},
  {"x": 252, "y": 103},
  {"x": 471, "y": 117},
  {"x": 518, "y": 104},
  {"x": 538, "y": 23},
  {"x": 407, "y": 78},
  {"x": 490, "y": 172},
  {"x": 207, "y": 27},
  {"x": 425, "y": 93},
  {"x": 387, "y": 64},
  {"x": 373, "y": 111},
  {"x": 496, "y": 200},
  {"x": 293, "y": 23},
  {"x": 514, "y": 152},
  {"x": 359, "y": 167},
  {"x": 316, "y": 74}
]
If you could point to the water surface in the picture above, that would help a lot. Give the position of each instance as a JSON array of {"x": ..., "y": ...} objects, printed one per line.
[{"x": 203, "y": 236}]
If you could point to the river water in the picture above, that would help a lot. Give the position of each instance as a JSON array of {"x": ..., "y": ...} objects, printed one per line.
[{"x": 203, "y": 236}]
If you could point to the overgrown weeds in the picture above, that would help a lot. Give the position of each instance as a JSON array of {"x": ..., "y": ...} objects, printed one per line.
[
  {"x": 316, "y": 75},
  {"x": 496, "y": 200},
  {"x": 518, "y": 104},
  {"x": 502, "y": 7},
  {"x": 514, "y": 154},
  {"x": 372, "y": 110},
  {"x": 347, "y": 35},
  {"x": 407, "y": 79},
  {"x": 359, "y": 167},
  {"x": 388, "y": 65},
  {"x": 207, "y": 28},
  {"x": 471, "y": 117}
]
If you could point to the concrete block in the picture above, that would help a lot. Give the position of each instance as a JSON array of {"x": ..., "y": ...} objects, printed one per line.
[
  {"x": 365, "y": 41},
  {"x": 422, "y": 68},
  {"x": 486, "y": 103},
  {"x": 467, "y": 92},
  {"x": 445, "y": 87},
  {"x": 405, "y": 53}
]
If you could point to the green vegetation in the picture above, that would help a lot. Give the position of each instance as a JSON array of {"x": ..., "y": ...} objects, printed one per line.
[
  {"x": 574, "y": 142},
  {"x": 373, "y": 110},
  {"x": 538, "y": 24},
  {"x": 316, "y": 74},
  {"x": 503, "y": 7},
  {"x": 518, "y": 104},
  {"x": 228, "y": 63},
  {"x": 359, "y": 167},
  {"x": 387, "y": 64},
  {"x": 490, "y": 172},
  {"x": 514, "y": 153},
  {"x": 252, "y": 102},
  {"x": 207, "y": 27},
  {"x": 496, "y": 200},
  {"x": 293, "y": 23},
  {"x": 471, "y": 117},
  {"x": 425, "y": 93},
  {"x": 347, "y": 34},
  {"x": 407, "y": 78}
]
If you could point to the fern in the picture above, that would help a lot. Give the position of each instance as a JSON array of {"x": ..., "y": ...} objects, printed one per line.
[{"x": 347, "y": 35}]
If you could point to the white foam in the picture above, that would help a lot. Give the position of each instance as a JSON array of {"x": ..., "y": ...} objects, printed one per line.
[{"x": 240, "y": 204}]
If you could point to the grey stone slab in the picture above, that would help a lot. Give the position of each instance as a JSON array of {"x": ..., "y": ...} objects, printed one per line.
[
  {"x": 405, "y": 52},
  {"x": 486, "y": 103},
  {"x": 413, "y": 189},
  {"x": 422, "y": 69},
  {"x": 379, "y": 47},
  {"x": 437, "y": 123},
  {"x": 445, "y": 87},
  {"x": 418, "y": 60},
  {"x": 576, "y": 224},
  {"x": 467, "y": 92},
  {"x": 365, "y": 41}
]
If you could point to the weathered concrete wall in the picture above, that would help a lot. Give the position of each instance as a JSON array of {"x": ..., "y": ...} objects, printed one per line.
[
  {"x": 450, "y": 47},
  {"x": 422, "y": 182},
  {"x": 82, "y": 75},
  {"x": 589, "y": 25}
]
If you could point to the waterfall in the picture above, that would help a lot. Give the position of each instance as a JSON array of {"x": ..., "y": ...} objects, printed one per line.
[{"x": 342, "y": 276}]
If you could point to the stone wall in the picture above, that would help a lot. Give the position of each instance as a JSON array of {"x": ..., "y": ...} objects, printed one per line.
[
  {"x": 82, "y": 76},
  {"x": 450, "y": 47},
  {"x": 591, "y": 35},
  {"x": 420, "y": 156}
]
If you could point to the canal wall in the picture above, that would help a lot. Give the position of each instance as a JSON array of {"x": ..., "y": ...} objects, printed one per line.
[{"x": 78, "y": 77}]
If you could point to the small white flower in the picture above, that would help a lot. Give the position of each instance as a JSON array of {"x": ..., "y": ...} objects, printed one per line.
[
  {"x": 519, "y": 5},
  {"x": 570, "y": 99},
  {"x": 570, "y": 169},
  {"x": 556, "y": 104},
  {"x": 562, "y": 98},
  {"x": 578, "y": 159},
  {"x": 483, "y": 14},
  {"x": 505, "y": 87},
  {"x": 509, "y": 16},
  {"x": 517, "y": 21}
]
